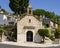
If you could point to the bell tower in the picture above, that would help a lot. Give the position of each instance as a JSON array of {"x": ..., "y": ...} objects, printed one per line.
[{"x": 29, "y": 11}]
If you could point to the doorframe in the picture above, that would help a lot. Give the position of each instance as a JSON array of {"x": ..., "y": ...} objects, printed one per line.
[
  {"x": 31, "y": 36},
  {"x": 26, "y": 30}
]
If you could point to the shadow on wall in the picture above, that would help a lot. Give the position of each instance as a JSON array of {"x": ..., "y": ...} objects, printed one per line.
[{"x": 37, "y": 38}]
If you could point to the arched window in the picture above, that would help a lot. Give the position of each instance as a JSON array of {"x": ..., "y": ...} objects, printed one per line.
[{"x": 29, "y": 20}]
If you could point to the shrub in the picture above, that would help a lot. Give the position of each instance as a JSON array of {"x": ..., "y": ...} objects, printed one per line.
[
  {"x": 52, "y": 37},
  {"x": 44, "y": 33},
  {"x": 58, "y": 30}
]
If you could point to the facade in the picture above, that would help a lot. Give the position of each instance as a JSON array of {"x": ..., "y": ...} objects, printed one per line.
[
  {"x": 11, "y": 19},
  {"x": 27, "y": 28},
  {"x": 2, "y": 19},
  {"x": 53, "y": 24},
  {"x": 50, "y": 23},
  {"x": 7, "y": 19}
]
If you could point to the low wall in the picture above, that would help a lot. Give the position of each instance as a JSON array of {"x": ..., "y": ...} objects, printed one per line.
[{"x": 57, "y": 41}]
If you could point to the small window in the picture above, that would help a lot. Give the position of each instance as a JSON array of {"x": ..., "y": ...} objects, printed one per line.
[
  {"x": 29, "y": 20},
  {"x": 47, "y": 25},
  {"x": 11, "y": 22},
  {"x": 9, "y": 18},
  {"x": 29, "y": 11}
]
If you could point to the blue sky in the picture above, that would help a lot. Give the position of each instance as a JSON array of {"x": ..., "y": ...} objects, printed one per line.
[{"x": 49, "y": 5}]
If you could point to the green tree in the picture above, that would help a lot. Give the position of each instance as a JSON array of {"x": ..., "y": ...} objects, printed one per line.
[
  {"x": 57, "y": 19},
  {"x": 12, "y": 31},
  {"x": 2, "y": 29},
  {"x": 15, "y": 32},
  {"x": 52, "y": 37},
  {"x": 4, "y": 11},
  {"x": 51, "y": 15},
  {"x": 19, "y": 6},
  {"x": 39, "y": 12},
  {"x": 0, "y": 7},
  {"x": 42, "y": 12},
  {"x": 44, "y": 33},
  {"x": 58, "y": 30}
]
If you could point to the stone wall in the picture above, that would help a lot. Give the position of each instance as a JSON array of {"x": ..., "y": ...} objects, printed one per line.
[{"x": 21, "y": 32}]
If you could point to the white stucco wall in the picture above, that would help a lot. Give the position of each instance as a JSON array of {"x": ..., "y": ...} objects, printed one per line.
[
  {"x": 56, "y": 25},
  {"x": 3, "y": 19},
  {"x": 51, "y": 24}
]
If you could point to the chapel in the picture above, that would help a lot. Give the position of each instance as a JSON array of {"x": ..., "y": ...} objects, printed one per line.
[{"x": 28, "y": 26}]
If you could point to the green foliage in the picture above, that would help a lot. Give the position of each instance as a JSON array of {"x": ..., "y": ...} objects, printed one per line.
[
  {"x": 52, "y": 37},
  {"x": 15, "y": 32},
  {"x": 44, "y": 33},
  {"x": 8, "y": 25},
  {"x": 42, "y": 12},
  {"x": 51, "y": 15},
  {"x": 2, "y": 29},
  {"x": 39, "y": 12},
  {"x": 0, "y": 7},
  {"x": 58, "y": 30},
  {"x": 19, "y": 6},
  {"x": 4, "y": 11},
  {"x": 12, "y": 31}
]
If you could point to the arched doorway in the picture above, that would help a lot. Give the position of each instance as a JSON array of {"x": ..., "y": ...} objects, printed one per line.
[{"x": 29, "y": 36}]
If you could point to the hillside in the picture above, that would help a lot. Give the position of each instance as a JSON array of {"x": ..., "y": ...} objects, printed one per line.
[{"x": 51, "y": 15}]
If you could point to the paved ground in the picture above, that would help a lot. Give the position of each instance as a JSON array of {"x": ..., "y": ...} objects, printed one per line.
[{"x": 14, "y": 45}]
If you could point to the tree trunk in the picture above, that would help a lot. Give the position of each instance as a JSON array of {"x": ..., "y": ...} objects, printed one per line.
[
  {"x": 43, "y": 39},
  {"x": 3, "y": 38}
]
